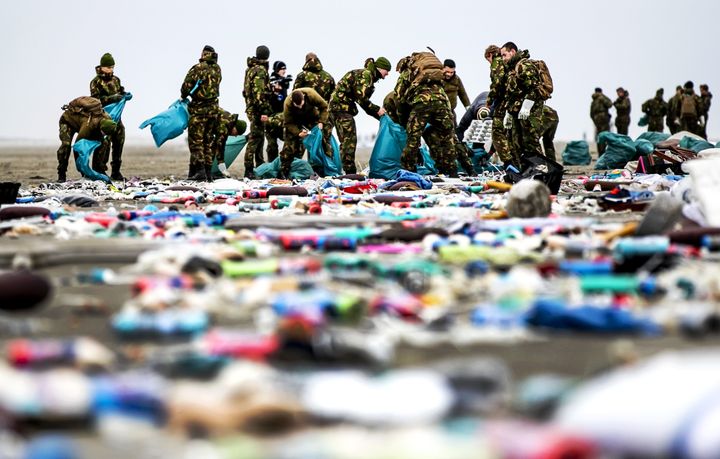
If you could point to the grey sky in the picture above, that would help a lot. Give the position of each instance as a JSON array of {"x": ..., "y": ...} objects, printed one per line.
[{"x": 50, "y": 49}]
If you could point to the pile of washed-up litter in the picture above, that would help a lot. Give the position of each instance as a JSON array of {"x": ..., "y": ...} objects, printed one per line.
[{"x": 272, "y": 318}]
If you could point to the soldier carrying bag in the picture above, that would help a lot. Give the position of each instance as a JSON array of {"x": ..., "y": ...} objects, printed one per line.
[{"x": 85, "y": 105}]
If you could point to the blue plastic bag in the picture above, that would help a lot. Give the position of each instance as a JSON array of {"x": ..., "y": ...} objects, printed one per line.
[
  {"x": 406, "y": 176},
  {"x": 576, "y": 153},
  {"x": 233, "y": 147},
  {"x": 85, "y": 148},
  {"x": 170, "y": 123},
  {"x": 428, "y": 166},
  {"x": 115, "y": 110},
  {"x": 324, "y": 165},
  {"x": 619, "y": 151},
  {"x": 644, "y": 147},
  {"x": 299, "y": 169},
  {"x": 696, "y": 145},
  {"x": 389, "y": 144},
  {"x": 653, "y": 137}
]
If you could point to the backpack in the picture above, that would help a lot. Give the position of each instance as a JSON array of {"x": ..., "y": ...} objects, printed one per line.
[
  {"x": 425, "y": 67},
  {"x": 545, "y": 89},
  {"x": 85, "y": 105},
  {"x": 688, "y": 106}
]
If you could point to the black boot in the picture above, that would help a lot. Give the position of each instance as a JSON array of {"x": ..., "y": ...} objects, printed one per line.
[
  {"x": 197, "y": 172},
  {"x": 208, "y": 173},
  {"x": 62, "y": 172},
  {"x": 116, "y": 175},
  {"x": 249, "y": 172}
]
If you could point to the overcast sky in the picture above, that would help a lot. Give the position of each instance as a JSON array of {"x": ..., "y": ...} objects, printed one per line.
[{"x": 50, "y": 49}]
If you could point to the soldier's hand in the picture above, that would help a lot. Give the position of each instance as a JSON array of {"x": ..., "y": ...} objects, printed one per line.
[
  {"x": 527, "y": 105},
  {"x": 127, "y": 96},
  {"x": 320, "y": 126},
  {"x": 303, "y": 134},
  {"x": 381, "y": 112},
  {"x": 263, "y": 118},
  {"x": 507, "y": 121}
]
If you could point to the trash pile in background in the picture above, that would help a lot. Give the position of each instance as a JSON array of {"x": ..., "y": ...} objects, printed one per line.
[{"x": 273, "y": 318}]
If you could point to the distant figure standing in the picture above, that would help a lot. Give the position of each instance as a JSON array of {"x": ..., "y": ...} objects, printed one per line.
[
  {"x": 453, "y": 85},
  {"x": 622, "y": 108},
  {"x": 107, "y": 88},
  {"x": 655, "y": 109},
  {"x": 600, "y": 114},
  {"x": 691, "y": 109},
  {"x": 257, "y": 93},
  {"x": 549, "y": 128},
  {"x": 706, "y": 97},
  {"x": 673, "y": 120}
]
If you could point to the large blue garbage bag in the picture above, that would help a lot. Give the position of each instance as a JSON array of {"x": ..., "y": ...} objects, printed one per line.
[
  {"x": 115, "y": 110},
  {"x": 644, "y": 147},
  {"x": 389, "y": 144},
  {"x": 696, "y": 145},
  {"x": 299, "y": 169},
  {"x": 576, "y": 153},
  {"x": 619, "y": 151},
  {"x": 322, "y": 163},
  {"x": 653, "y": 137},
  {"x": 233, "y": 147},
  {"x": 428, "y": 166},
  {"x": 170, "y": 123},
  {"x": 85, "y": 148}
]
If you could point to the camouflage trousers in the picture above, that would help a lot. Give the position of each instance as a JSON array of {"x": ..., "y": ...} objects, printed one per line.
[
  {"x": 66, "y": 133},
  {"x": 602, "y": 124},
  {"x": 622, "y": 123},
  {"x": 525, "y": 134},
  {"x": 690, "y": 124},
  {"x": 273, "y": 133},
  {"x": 201, "y": 133},
  {"x": 254, "y": 148},
  {"x": 655, "y": 124},
  {"x": 439, "y": 135},
  {"x": 347, "y": 136},
  {"x": 117, "y": 142},
  {"x": 501, "y": 140},
  {"x": 461, "y": 150},
  {"x": 293, "y": 147}
]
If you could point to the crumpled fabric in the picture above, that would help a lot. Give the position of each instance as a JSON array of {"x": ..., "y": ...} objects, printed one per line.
[{"x": 406, "y": 176}]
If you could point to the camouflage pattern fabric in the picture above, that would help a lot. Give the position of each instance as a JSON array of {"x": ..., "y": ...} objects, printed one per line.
[
  {"x": 203, "y": 108},
  {"x": 600, "y": 115},
  {"x": 347, "y": 136},
  {"x": 673, "y": 113},
  {"x": 622, "y": 120},
  {"x": 86, "y": 127},
  {"x": 274, "y": 132},
  {"x": 706, "y": 98},
  {"x": 549, "y": 128},
  {"x": 108, "y": 88},
  {"x": 497, "y": 83},
  {"x": 257, "y": 93},
  {"x": 222, "y": 128},
  {"x": 430, "y": 105},
  {"x": 201, "y": 133},
  {"x": 292, "y": 148},
  {"x": 655, "y": 109},
  {"x": 313, "y": 76},
  {"x": 254, "y": 148},
  {"x": 501, "y": 141},
  {"x": 356, "y": 87},
  {"x": 525, "y": 134},
  {"x": 522, "y": 82}
]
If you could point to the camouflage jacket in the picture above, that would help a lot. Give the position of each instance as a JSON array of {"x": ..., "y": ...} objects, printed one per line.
[
  {"x": 522, "y": 81},
  {"x": 600, "y": 105},
  {"x": 207, "y": 71},
  {"x": 256, "y": 89},
  {"x": 226, "y": 120},
  {"x": 428, "y": 94},
  {"x": 313, "y": 76},
  {"x": 622, "y": 107},
  {"x": 87, "y": 126},
  {"x": 497, "y": 83},
  {"x": 356, "y": 86},
  {"x": 391, "y": 107},
  {"x": 706, "y": 102},
  {"x": 655, "y": 107},
  {"x": 399, "y": 101},
  {"x": 673, "y": 109},
  {"x": 106, "y": 87},
  {"x": 454, "y": 88}
]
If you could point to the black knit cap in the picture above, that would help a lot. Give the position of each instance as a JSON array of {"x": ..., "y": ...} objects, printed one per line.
[
  {"x": 208, "y": 49},
  {"x": 279, "y": 65},
  {"x": 449, "y": 63},
  {"x": 262, "y": 52}
]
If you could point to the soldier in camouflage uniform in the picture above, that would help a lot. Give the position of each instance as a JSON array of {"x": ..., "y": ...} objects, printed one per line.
[
  {"x": 204, "y": 112},
  {"x": 655, "y": 109},
  {"x": 690, "y": 109},
  {"x": 550, "y": 124},
  {"x": 302, "y": 111},
  {"x": 600, "y": 114},
  {"x": 355, "y": 87},
  {"x": 454, "y": 88},
  {"x": 521, "y": 86},
  {"x": 622, "y": 109},
  {"x": 313, "y": 76},
  {"x": 257, "y": 93},
  {"x": 496, "y": 102},
  {"x": 706, "y": 97},
  {"x": 673, "y": 120},
  {"x": 107, "y": 88},
  {"x": 228, "y": 125},
  {"x": 90, "y": 124}
]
